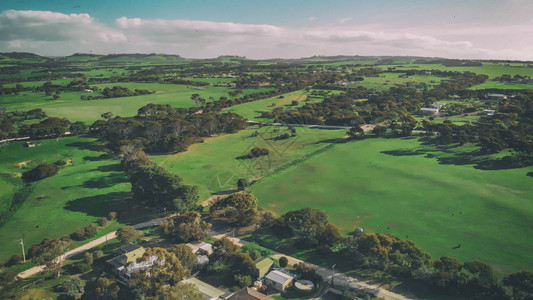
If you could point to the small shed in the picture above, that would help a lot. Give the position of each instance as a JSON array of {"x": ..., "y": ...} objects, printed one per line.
[
  {"x": 249, "y": 294},
  {"x": 208, "y": 291},
  {"x": 278, "y": 280},
  {"x": 263, "y": 265},
  {"x": 201, "y": 248}
]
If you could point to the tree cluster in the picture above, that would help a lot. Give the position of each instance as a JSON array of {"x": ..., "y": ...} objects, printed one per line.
[{"x": 160, "y": 128}]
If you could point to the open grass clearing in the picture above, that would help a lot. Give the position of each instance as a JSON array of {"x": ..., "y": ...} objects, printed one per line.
[
  {"x": 253, "y": 110},
  {"x": 214, "y": 165},
  {"x": 89, "y": 187},
  {"x": 398, "y": 186},
  {"x": 70, "y": 105}
]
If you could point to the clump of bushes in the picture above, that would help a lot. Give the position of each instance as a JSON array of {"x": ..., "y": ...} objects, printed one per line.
[
  {"x": 258, "y": 152},
  {"x": 40, "y": 172}
]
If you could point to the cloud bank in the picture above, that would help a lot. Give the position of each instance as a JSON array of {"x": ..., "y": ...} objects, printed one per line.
[{"x": 57, "y": 34}]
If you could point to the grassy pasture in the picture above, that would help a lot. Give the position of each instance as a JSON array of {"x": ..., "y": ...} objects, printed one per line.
[
  {"x": 437, "y": 199},
  {"x": 81, "y": 193},
  {"x": 252, "y": 110},
  {"x": 70, "y": 105},
  {"x": 214, "y": 165},
  {"x": 490, "y": 69},
  {"x": 387, "y": 80}
]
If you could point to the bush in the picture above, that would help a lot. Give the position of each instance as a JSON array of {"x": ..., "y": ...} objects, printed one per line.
[
  {"x": 40, "y": 172},
  {"x": 88, "y": 258},
  {"x": 103, "y": 222},
  {"x": 98, "y": 254},
  {"x": 242, "y": 280},
  {"x": 283, "y": 261},
  {"x": 112, "y": 216},
  {"x": 257, "y": 152},
  {"x": 82, "y": 268},
  {"x": 61, "y": 163}
]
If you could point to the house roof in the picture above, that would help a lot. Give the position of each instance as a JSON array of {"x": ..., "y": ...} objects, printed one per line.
[
  {"x": 200, "y": 246},
  {"x": 129, "y": 247},
  {"x": 278, "y": 277},
  {"x": 263, "y": 265},
  {"x": 207, "y": 290},
  {"x": 249, "y": 294},
  {"x": 137, "y": 266}
]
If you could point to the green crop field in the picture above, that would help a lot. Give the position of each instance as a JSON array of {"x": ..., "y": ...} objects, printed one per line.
[
  {"x": 400, "y": 187},
  {"x": 214, "y": 165},
  {"x": 82, "y": 192}
]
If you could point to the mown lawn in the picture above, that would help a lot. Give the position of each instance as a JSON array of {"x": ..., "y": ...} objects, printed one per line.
[
  {"x": 437, "y": 199},
  {"x": 219, "y": 162},
  {"x": 89, "y": 187}
]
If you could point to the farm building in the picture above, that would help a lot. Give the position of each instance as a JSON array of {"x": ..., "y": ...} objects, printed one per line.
[
  {"x": 208, "y": 291},
  {"x": 263, "y": 265},
  {"x": 201, "y": 248},
  {"x": 278, "y": 280},
  {"x": 496, "y": 96},
  {"x": 428, "y": 111},
  {"x": 126, "y": 263}
]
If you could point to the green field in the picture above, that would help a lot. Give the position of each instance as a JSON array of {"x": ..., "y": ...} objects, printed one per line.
[
  {"x": 252, "y": 110},
  {"x": 213, "y": 165},
  {"x": 70, "y": 105},
  {"x": 81, "y": 193},
  {"x": 387, "y": 186}
]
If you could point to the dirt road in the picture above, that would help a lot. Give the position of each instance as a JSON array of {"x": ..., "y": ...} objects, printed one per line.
[
  {"x": 340, "y": 279},
  {"x": 89, "y": 245}
]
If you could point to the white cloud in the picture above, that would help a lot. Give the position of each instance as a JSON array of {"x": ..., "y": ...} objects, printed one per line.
[{"x": 51, "y": 33}]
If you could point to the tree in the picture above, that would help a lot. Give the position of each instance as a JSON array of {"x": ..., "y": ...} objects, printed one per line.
[
  {"x": 7, "y": 284},
  {"x": 242, "y": 184},
  {"x": 49, "y": 252},
  {"x": 127, "y": 234},
  {"x": 521, "y": 284},
  {"x": 154, "y": 185},
  {"x": 88, "y": 258},
  {"x": 186, "y": 227},
  {"x": 107, "y": 115},
  {"x": 166, "y": 270},
  {"x": 78, "y": 127},
  {"x": 355, "y": 131},
  {"x": 101, "y": 288},
  {"x": 240, "y": 208},
  {"x": 283, "y": 261},
  {"x": 180, "y": 291},
  {"x": 185, "y": 255},
  {"x": 379, "y": 131},
  {"x": 71, "y": 289},
  {"x": 310, "y": 226},
  {"x": 258, "y": 152}
]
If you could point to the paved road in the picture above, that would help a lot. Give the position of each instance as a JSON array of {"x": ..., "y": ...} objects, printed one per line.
[
  {"x": 91, "y": 244},
  {"x": 340, "y": 279}
]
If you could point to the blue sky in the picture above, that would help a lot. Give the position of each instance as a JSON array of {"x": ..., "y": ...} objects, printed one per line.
[{"x": 499, "y": 29}]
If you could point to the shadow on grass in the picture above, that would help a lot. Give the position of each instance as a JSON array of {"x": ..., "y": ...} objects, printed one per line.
[
  {"x": 105, "y": 156},
  {"x": 93, "y": 146},
  {"x": 129, "y": 212},
  {"x": 105, "y": 181},
  {"x": 445, "y": 156},
  {"x": 109, "y": 168}
]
